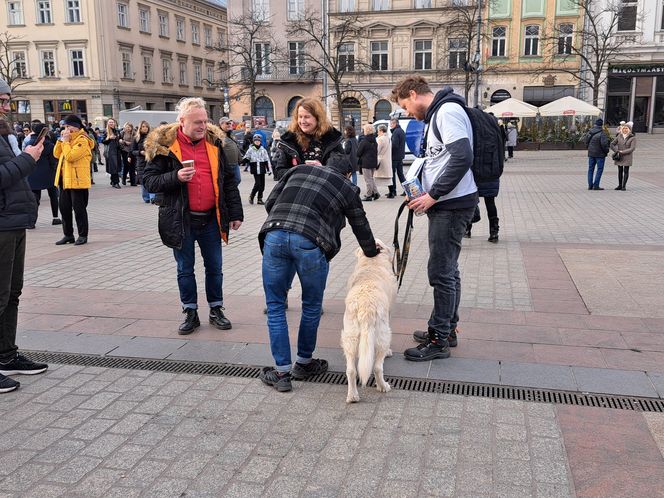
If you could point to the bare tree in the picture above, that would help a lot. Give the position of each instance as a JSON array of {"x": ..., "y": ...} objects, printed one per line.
[
  {"x": 251, "y": 55},
  {"x": 595, "y": 43},
  {"x": 11, "y": 69},
  {"x": 329, "y": 56}
]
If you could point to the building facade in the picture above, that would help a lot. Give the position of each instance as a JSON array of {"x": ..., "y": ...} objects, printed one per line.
[
  {"x": 96, "y": 57},
  {"x": 635, "y": 79},
  {"x": 283, "y": 75},
  {"x": 526, "y": 42}
]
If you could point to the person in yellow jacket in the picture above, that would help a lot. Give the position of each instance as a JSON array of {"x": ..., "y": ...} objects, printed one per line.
[{"x": 74, "y": 152}]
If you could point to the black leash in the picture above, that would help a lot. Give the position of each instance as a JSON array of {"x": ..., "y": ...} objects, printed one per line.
[{"x": 401, "y": 259}]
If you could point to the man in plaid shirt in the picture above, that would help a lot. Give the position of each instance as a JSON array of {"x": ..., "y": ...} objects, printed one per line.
[{"x": 307, "y": 210}]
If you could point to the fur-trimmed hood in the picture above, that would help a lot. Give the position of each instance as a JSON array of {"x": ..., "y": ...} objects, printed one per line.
[{"x": 161, "y": 138}]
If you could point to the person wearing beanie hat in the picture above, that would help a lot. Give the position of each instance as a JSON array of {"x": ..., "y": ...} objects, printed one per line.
[
  {"x": 597, "y": 143},
  {"x": 231, "y": 147},
  {"x": 623, "y": 147},
  {"x": 258, "y": 160},
  {"x": 19, "y": 211},
  {"x": 44, "y": 176},
  {"x": 74, "y": 153}
]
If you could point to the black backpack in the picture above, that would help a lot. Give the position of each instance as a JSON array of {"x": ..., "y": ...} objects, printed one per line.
[{"x": 488, "y": 144}]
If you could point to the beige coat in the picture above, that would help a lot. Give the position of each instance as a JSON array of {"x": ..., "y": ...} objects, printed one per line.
[
  {"x": 384, "y": 157},
  {"x": 626, "y": 146}
]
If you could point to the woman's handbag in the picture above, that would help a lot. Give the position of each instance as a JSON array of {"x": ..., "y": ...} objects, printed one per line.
[{"x": 617, "y": 156}]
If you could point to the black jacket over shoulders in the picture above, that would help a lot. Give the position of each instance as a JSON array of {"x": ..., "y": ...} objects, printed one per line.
[
  {"x": 289, "y": 152},
  {"x": 18, "y": 207},
  {"x": 597, "y": 142},
  {"x": 367, "y": 152}
]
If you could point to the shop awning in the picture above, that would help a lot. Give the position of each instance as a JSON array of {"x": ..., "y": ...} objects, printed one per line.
[
  {"x": 512, "y": 108},
  {"x": 569, "y": 106}
]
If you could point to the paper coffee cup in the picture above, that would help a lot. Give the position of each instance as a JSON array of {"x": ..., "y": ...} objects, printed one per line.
[{"x": 189, "y": 163}]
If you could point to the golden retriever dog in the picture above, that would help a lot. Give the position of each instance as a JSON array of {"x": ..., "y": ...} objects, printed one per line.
[{"x": 365, "y": 338}]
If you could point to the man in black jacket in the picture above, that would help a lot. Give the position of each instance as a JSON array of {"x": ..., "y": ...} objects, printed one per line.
[
  {"x": 307, "y": 210},
  {"x": 398, "y": 153},
  {"x": 19, "y": 212},
  {"x": 597, "y": 142}
]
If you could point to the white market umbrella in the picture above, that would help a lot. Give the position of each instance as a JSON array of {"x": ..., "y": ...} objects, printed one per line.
[
  {"x": 569, "y": 106},
  {"x": 513, "y": 108}
]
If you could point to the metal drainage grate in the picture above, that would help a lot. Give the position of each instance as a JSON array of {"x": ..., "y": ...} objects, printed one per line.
[{"x": 632, "y": 403}]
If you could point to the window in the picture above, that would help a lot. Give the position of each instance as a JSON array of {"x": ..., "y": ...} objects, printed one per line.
[
  {"x": 163, "y": 24},
  {"x": 457, "y": 55},
  {"x": 382, "y": 109},
  {"x": 627, "y": 19},
  {"x": 47, "y": 64},
  {"x": 347, "y": 57},
  {"x": 73, "y": 11},
  {"x": 532, "y": 40},
  {"x": 127, "y": 72},
  {"x": 565, "y": 35},
  {"x": 44, "y": 15},
  {"x": 195, "y": 33},
  {"x": 179, "y": 29},
  {"x": 198, "y": 74},
  {"x": 380, "y": 4},
  {"x": 260, "y": 9},
  {"x": 166, "y": 74},
  {"x": 147, "y": 68},
  {"x": 14, "y": 13},
  {"x": 77, "y": 64},
  {"x": 346, "y": 5},
  {"x": 422, "y": 54},
  {"x": 209, "y": 69},
  {"x": 20, "y": 69},
  {"x": 123, "y": 15},
  {"x": 221, "y": 37},
  {"x": 296, "y": 57},
  {"x": 183, "y": 72},
  {"x": 144, "y": 20},
  {"x": 207, "y": 33},
  {"x": 262, "y": 54},
  {"x": 422, "y": 4},
  {"x": 498, "y": 40},
  {"x": 295, "y": 10},
  {"x": 379, "y": 56}
]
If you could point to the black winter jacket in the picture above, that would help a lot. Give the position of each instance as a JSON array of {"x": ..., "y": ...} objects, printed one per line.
[
  {"x": 398, "y": 143},
  {"x": 367, "y": 152},
  {"x": 597, "y": 142},
  {"x": 18, "y": 208},
  {"x": 138, "y": 146},
  {"x": 289, "y": 153},
  {"x": 161, "y": 176}
]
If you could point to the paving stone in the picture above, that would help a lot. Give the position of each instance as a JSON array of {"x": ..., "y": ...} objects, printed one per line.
[
  {"x": 130, "y": 423},
  {"x": 98, "y": 482},
  {"x": 604, "y": 380},
  {"x": 104, "y": 445},
  {"x": 25, "y": 476},
  {"x": 127, "y": 456},
  {"x": 466, "y": 370},
  {"x": 243, "y": 490},
  {"x": 538, "y": 376},
  {"x": 45, "y": 438},
  {"x": 45, "y": 491},
  {"x": 74, "y": 470},
  {"x": 143, "y": 474},
  {"x": 285, "y": 487},
  {"x": 167, "y": 487}
]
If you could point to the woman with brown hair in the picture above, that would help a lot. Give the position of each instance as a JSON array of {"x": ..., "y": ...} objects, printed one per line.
[
  {"x": 310, "y": 139},
  {"x": 138, "y": 151},
  {"x": 112, "y": 152}
]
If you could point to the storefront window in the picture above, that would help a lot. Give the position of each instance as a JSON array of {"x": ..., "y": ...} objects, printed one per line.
[
  {"x": 617, "y": 109},
  {"x": 658, "y": 116}
]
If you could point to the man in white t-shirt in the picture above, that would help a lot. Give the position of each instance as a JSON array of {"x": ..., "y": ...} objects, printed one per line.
[{"x": 449, "y": 202}]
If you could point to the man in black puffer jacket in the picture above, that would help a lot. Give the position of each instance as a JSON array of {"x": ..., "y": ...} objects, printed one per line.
[
  {"x": 18, "y": 211},
  {"x": 598, "y": 147}
]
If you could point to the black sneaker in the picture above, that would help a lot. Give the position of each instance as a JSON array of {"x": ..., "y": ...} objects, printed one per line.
[
  {"x": 314, "y": 367},
  {"x": 20, "y": 365},
  {"x": 422, "y": 336},
  {"x": 191, "y": 322},
  {"x": 7, "y": 384},
  {"x": 56, "y": 221},
  {"x": 65, "y": 240},
  {"x": 427, "y": 351},
  {"x": 280, "y": 381},
  {"x": 218, "y": 319}
]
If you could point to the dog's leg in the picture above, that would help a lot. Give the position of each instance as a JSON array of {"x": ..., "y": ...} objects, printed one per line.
[
  {"x": 381, "y": 385},
  {"x": 351, "y": 375},
  {"x": 389, "y": 353}
]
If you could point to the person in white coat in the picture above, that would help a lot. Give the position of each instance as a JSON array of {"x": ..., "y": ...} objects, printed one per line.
[{"x": 384, "y": 154}]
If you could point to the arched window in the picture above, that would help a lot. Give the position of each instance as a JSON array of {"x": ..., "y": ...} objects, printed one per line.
[
  {"x": 499, "y": 96},
  {"x": 291, "y": 105},
  {"x": 382, "y": 110},
  {"x": 264, "y": 107},
  {"x": 352, "y": 112}
]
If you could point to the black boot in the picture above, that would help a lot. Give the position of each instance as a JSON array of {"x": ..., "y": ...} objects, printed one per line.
[
  {"x": 392, "y": 192},
  {"x": 260, "y": 200},
  {"x": 469, "y": 229},
  {"x": 190, "y": 323},
  {"x": 493, "y": 230},
  {"x": 620, "y": 179},
  {"x": 435, "y": 347},
  {"x": 251, "y": 198},
  {"x": 218, "y": 319}
]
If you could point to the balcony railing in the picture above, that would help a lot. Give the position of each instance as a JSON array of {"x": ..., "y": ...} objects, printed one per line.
[{"x": 277, "y": 74}]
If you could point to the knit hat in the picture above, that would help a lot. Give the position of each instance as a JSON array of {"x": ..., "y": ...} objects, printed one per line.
[
  {"x": 225, "y": 119},
  {"x": 74, "y": 120},
  {"x": 599, "y": 122},
  {"x": 629, "y": 124},
  {"x": 257, "y": 136},
  {"x": 4, "y": 87}
]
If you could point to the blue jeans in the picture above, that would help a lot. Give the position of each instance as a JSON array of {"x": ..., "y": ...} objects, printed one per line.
[
  {"x": 236, "y": 170},
  {"x": 353, "y": 177},
  {"x": 147, "y": 196},
  {"x": 285, "y": 253},
  {"x": 446, "y": 229},
  {"x": 209, "y": 243},
  {"x": 592, "y": 161}
]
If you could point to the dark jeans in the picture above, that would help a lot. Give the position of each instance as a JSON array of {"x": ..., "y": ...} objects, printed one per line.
[
  {"x": 75, "y": 199},
  {"x": 128, "y": 167},
  {"x": 285, "y": 253},
  {"x": 397, "y": 171},
  {"x": 53, "y": 197},
  {"x": 115, "y": 179},
  {"x": 446, "y": 229},
  {"x": 209, "y": 243},
  {"x": 259, "y": 186},
  {"x": 593, "y": 179},
  {"x": 510, "y": 151},
  {"x": 12, "y": 255}
]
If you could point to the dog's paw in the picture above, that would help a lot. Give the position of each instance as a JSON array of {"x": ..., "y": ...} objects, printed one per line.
[
  {"x": 385, "y": 388},
  {"x": 352, "y": 398},
  {"x": 388, "y": 354}
]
